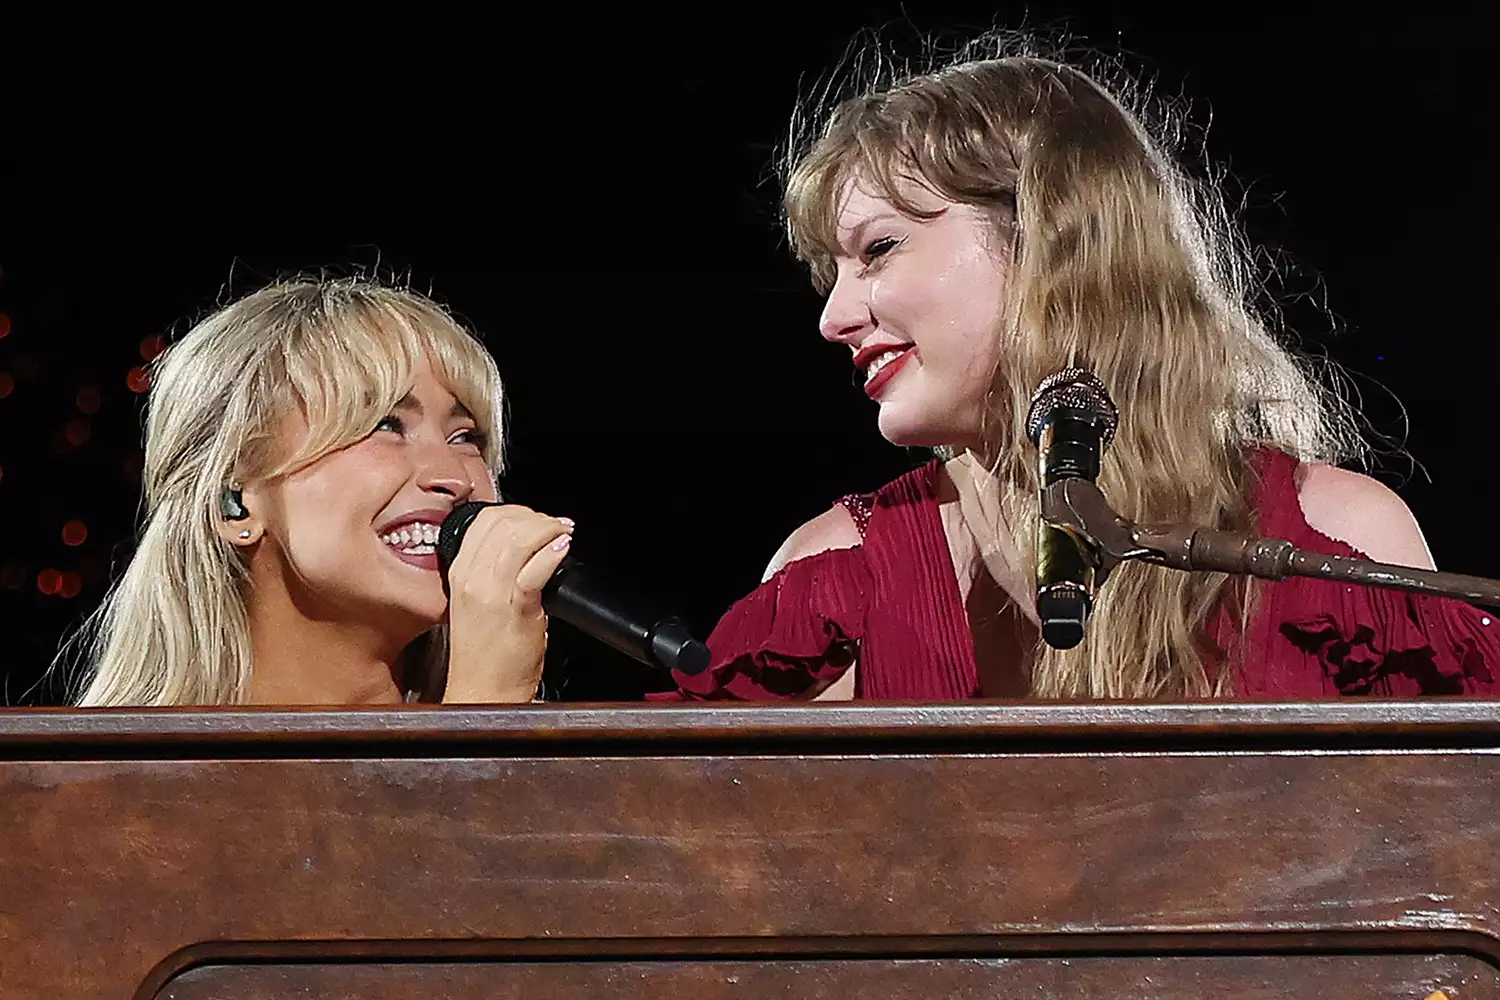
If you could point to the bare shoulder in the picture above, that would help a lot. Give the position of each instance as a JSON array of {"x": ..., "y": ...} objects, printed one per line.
[
  {"x": 1361, "y": 512},
  {"x": 832, "y": 529}
]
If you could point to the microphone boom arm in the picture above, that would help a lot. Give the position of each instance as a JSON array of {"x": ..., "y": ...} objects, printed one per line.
[{"x": 1078, "y": 507}]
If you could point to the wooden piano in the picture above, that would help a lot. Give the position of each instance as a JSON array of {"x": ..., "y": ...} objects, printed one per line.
[{"x": 1344, "y": 850}]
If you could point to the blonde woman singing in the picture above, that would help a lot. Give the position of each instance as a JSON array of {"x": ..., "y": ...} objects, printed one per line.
[{"x": 302, "y": 446}]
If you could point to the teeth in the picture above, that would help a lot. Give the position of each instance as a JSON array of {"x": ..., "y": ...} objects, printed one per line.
[
  {"x": 881, "y": 360},
  {"x": 413, "y": 539}
]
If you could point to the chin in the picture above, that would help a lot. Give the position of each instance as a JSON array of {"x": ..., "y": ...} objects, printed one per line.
[
  {"x": 430, "y": 613},
  {"x": 908, "y": 429}
]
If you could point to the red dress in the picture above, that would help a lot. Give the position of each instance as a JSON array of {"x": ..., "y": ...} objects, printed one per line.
[{"x": 895, "y": 599}]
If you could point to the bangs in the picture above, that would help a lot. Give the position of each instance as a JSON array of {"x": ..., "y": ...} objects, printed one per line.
[
  {"x": 879, "y": 140},
  {"x": 348, "y": 356},
  {"x": 811, "y": 203}
]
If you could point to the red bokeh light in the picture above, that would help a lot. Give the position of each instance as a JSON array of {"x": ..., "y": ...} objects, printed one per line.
[
  {"x": 152, "y": 346},
  {"x": 2, "y": 473},
  {"x": 87, "y": 399},
  {"x": 7, "y": 384},
  {"x": 139, "y": 379},
  {"x": 75, "y": 533},
  {"x": 49, "y": 581},
  {"x": 4, "y": 326},
  {"x": 71, "y": 585},
  {"x": 77, "y": 432}
]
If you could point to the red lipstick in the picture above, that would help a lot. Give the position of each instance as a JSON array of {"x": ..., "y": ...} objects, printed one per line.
[{"x": 874, "y": 385}]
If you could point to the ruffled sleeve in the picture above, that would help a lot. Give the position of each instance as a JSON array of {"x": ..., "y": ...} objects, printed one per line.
[
  {"x": 1368, "y": 641},
  {"x": 1316, "y": 637},
  {"x": 791, "y": 637}
]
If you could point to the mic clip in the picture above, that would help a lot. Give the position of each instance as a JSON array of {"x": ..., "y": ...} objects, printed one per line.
[{"x": 1104, "y": 538}]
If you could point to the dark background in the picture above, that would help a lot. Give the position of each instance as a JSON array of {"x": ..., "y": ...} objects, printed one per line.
[{"x": 593, "y": 194}]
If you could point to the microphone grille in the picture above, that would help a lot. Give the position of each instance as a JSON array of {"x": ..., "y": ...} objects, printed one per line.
[
  {"x": 451, "y": 532},
  {"x": 1073, "y": 389}
]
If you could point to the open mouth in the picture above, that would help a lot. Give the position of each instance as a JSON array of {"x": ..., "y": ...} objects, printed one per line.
[
  {"x": 877, "y": 365},
  {"x": 884, "y": 366},
  {"x": 414, "y": 543}
]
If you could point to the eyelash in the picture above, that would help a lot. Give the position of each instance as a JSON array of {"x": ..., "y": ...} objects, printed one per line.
[
  {"x": 876, "y": 249},
  {"x": 472, "y": 435}
]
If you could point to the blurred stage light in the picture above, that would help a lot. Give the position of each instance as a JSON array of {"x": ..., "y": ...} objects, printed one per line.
[{"x": 87, "y": 400}]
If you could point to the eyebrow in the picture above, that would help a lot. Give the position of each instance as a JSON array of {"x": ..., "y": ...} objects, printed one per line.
[{"x": 409, "y": 403}]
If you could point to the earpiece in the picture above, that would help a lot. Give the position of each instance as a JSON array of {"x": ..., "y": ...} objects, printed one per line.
[{"x": 232, "y": 504}]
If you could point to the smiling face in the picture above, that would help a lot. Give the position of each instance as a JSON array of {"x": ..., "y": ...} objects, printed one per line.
[
  {"x": 347, "y": 536},
  {"x": 921, "y": 305}
]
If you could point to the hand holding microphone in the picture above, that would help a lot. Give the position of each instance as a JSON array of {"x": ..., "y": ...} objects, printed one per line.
[
  {"x": 497, "y": 625},
  {"x": 571, "y": 592}
]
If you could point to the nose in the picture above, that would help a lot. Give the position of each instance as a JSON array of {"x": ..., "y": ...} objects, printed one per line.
[
  {"x": 442, "y": 472},
  {"x": 846, "y": 315}
]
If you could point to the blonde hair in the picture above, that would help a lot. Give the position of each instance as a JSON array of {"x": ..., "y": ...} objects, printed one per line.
[
  {"x": 174, "y": 629},
  {"x": 1121, "y": 264}
]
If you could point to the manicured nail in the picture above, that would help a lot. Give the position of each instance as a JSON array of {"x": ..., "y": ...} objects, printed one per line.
[{"x": 561, "y": 542}]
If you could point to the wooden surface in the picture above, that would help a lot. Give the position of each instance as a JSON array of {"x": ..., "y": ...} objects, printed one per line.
[
  {"x": 973, "y": 850},
  {"x": 1296, "y": 977}
]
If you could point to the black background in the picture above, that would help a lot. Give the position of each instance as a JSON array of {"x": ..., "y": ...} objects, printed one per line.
[{"x": 594, "y": 193}]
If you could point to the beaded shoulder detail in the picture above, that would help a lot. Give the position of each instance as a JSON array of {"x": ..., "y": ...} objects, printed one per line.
[{"x": 860, "y": 506}]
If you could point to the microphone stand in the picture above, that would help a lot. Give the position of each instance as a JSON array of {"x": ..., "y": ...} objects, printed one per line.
[{"x": 1079, "y": 508}]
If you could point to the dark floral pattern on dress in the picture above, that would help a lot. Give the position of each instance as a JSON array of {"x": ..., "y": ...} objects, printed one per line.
[{"x": 1394, "y": 645}]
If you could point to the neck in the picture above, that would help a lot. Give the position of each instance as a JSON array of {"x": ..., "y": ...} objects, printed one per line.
[
  {"x": 985, "y": 454},
  {"x": 995, "y": 546},
  {"x": 968, "y": 466},
  {"x": 304, "y": 659}
]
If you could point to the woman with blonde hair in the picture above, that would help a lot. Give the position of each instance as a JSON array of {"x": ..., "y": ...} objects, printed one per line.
[
  {"x": 977, "y": 228},
  {"x": 303, "y": 444}
]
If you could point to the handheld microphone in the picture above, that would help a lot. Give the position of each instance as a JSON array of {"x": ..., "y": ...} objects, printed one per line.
[
  {"x": 1071, "y": 421},
  {"x": 574, "y": 595}
]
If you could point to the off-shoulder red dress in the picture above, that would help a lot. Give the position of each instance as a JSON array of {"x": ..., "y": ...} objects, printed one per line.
[{"x": 895, "y": 600}]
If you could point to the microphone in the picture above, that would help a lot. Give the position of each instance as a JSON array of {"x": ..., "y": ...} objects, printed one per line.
[
  {"x": 574, "y": 595},
  {"x": 1071, "y": 420}
]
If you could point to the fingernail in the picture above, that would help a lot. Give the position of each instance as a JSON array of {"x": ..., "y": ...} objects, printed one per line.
[
  {"x": 566, "y": 520},
  {"x": 561, "y": 542}
]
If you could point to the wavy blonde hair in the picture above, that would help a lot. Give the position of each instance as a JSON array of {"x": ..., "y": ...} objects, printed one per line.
[
  {"x": 174, "y": 629},
  {"x": 1119, "y": 263}
]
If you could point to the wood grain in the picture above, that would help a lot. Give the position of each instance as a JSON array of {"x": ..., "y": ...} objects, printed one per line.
[
  {"x": 1388, "y": 977},
  {"x": 141, "y": 844}
]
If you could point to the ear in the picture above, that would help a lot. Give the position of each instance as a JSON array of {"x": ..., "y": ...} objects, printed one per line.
[{"x": 238, "y": 525}]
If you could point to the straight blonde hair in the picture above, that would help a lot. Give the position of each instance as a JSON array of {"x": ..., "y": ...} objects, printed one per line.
[
  {"x": 1119, "y": 264},
  {"x": 174, "y": 630}
]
